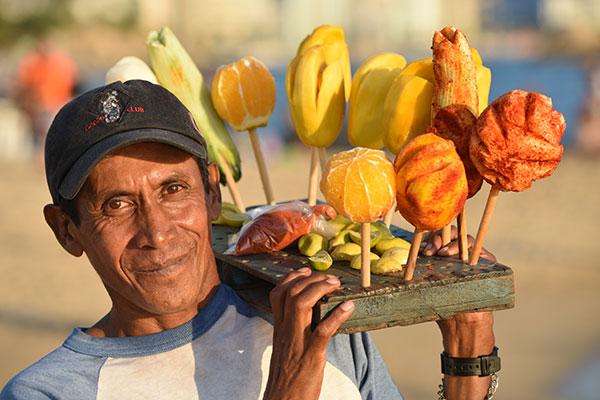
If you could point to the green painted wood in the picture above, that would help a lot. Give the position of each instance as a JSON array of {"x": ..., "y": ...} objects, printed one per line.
[{"x": 441, "y": 286}]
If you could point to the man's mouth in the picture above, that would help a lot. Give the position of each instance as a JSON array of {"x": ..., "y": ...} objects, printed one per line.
[{"x": 159, "y": 267}]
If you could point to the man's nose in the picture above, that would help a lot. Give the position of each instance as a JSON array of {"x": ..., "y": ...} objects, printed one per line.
[{"x": 156, "y": 226}]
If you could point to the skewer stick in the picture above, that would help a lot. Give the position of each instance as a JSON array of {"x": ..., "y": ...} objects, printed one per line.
[
  {"x": 463, "y": 244},
  {"x": 262, "y": 167},
  {"x": 446, "y": 235},
  {"x": 231, "y": 185},
  {"x": 413, "y": 253},
  {"x": 484, "y": 224},
  {"x": 313, "y": 177},
  {"x": 365, "y": 254},
  {"x": 387, "y": 220},
  {"x": 323, "y": 157}
]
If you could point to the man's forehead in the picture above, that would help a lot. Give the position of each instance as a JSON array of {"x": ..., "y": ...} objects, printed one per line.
[
  {"x": 149, "y": 151},
  {"x": 147, "y": 161}
]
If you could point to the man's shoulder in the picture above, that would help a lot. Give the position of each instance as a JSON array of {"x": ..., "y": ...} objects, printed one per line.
[{"x": 63, "y": 373}]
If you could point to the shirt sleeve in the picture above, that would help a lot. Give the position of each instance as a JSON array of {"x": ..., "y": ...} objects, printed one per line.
[
  {"x": 18, "y": 391},
  {"x": 357, "y": 356}
]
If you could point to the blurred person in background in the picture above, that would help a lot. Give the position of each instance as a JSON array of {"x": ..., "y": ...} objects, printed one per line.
[{"x": 46, "y": 80}]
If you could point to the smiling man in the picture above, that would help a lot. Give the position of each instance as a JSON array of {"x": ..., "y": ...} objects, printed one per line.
[{"x": 132, "y": 189}]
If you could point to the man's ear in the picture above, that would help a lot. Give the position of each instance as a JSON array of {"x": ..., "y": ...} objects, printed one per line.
[
  {"x": 62, "y": 226},
  {"x": 213, "y": 194}
]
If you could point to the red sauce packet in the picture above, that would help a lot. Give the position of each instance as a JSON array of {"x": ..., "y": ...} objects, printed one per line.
[{"x": 278, "y": 227}]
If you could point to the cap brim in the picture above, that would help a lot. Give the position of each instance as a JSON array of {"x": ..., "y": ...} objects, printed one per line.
[{"x": 79, "y": 172}]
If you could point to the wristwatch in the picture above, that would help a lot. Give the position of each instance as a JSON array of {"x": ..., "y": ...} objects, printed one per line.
[{"x": 478, "y": 366}]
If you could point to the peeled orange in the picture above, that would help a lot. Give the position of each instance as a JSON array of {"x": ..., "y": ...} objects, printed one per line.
[
  {"x": 359, "y": 184},
  {"x": 243, "y": 93}
]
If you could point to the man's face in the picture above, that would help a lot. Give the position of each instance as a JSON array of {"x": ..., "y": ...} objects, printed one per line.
[{"x": 146, "y": 230}]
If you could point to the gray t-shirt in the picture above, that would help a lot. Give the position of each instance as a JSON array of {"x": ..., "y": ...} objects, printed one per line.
[{"x": 223, "y": 353}]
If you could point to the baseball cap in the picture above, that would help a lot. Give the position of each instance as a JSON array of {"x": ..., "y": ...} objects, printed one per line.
[{"x": 110, "y": 117}]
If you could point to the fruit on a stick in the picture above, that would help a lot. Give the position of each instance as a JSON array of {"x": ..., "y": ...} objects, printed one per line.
[
  {"x": 455, "y": 107},
  {"x": 177, "y": 72},
  {"x": 333, "y": 39},
  {"x": 455, "y": 102},
  {"x": 517, "y": 141},
  {"x": 406, "y": 110},
  {"x": 243, "y": 93},
  {"x": 457, "y": 123},
  {"x": 359, "y": 184},
  {"x": 454, "y": 71},
  {"x": 431, "y": 183},
  {"x": 431, "y": 187},
  {"x": 317, "y": 84},
  {"x": 370, "y": 86}
]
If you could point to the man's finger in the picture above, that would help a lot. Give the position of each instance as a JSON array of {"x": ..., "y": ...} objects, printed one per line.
[
  {"x": 449, "y": 250},
  {"x": 434, "y": 243},
  {"x": 453, "y": 232},
  {"x": 277, "y": 295},
  {"x": 329, "y": 326},
  {"x": 299, "y": 307}
]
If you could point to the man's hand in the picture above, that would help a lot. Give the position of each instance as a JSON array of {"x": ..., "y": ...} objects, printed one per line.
[
  {"x": 463, "y": 335},
  {"x": 432, "y": 245},
  {"x": 299, "y": 354}
]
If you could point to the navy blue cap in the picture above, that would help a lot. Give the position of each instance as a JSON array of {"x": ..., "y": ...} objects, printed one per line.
[{"x": 108, "y": 118}]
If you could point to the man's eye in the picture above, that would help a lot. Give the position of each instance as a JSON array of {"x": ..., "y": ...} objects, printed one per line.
[
  {"x": 115, "y": 204},
  {"x": 174, "y": 188}
]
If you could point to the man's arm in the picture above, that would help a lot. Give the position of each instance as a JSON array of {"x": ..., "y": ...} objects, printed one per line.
[{"x": 467, "y": 335}]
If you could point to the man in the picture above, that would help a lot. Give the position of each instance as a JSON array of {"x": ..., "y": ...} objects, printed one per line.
[{"x": 132, "y": 189}]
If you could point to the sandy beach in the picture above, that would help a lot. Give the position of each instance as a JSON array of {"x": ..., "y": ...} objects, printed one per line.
[{"x": 548, "y": 235}]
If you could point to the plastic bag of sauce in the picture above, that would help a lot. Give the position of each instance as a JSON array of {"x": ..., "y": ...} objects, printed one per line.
[{"x": 279, "y": 226}]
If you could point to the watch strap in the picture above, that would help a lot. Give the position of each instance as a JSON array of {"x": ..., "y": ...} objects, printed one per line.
[{"x": 478, "y": 366}]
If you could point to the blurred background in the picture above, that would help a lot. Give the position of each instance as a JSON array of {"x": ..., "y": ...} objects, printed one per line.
[{"x": 549, "y": 343}]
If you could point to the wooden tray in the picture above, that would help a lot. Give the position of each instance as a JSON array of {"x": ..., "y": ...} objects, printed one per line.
[{"x": 441, "y": 287}]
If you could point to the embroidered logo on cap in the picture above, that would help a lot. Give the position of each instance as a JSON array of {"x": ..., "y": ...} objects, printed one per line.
[{"x": 110, "y": 107}]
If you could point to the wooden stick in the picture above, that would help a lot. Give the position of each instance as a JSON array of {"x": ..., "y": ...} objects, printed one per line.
[
  {"x": 484, "y": 224},
  {"x": 262, "y": 167},
  {"x": 387, "y": 220},
  {"x": 446, "y": 235},
  {"x": 365, "y": 254},
  {"x": 412, "y": 254},
  {"x": 463, "y": 244},
  {"x": 323, "y": 157},
  {"x": 313, "y": 177},
  {"x": 231, "y": 185}
]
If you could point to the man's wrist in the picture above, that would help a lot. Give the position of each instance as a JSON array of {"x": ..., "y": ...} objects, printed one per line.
[
  {"x": 468, "y": 338},
  {"x": 470, "y": 345}
]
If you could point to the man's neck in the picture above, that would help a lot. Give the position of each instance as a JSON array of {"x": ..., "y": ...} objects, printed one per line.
[{"x": 125, "y": 319}]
